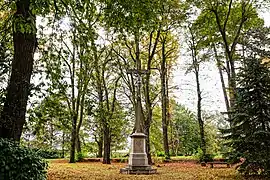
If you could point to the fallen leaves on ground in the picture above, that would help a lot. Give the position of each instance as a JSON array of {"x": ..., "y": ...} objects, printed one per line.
[{"x": 62, "y": 170}]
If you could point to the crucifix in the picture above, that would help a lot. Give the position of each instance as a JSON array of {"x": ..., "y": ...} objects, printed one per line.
[
  {"x": 138, "y": 109},
  {"x": 138, "y": 161}
]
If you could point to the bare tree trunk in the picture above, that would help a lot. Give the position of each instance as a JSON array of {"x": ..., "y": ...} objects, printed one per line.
[
  {"x": 73, "y": 139},
  {"x": 74, "y": 110},
  {"x": 13, "y": 114},
  {"x": 199, "y": 115},
  {"x": 78, "y": 142},
  {"x": 107, "y": 145},
  {"x": 148, "y": 119},
  {"x": 100, "y": 147},
  {"x": 164, "y": 97},
  {"x": 147, "y": 141},
  {"x": 51, "y": 134},
  {"x": 196, "y": 68},
  {"x": 222, "y": 80},
  {"x": 63, "y": 145}
]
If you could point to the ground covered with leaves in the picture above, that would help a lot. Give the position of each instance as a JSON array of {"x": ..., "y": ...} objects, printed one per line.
[{"x": 61, "y": 169}]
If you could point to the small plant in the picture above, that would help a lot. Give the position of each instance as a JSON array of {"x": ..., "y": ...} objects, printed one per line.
[
  {"x": 48, "y": 154},
  {"x": 204, "y": 157},
  {"x": 20, "y": 163},
  {"x": 160, "y": 154},
  {"x": 79, "y": 157}
]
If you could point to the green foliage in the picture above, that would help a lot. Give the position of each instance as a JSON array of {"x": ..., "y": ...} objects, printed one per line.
[
  {"x": 160, "y": 154},
  {"x": 204, "y": 157},
  {"x": 80, "y": 156},
  {"x": 47, "y": 122},
  {"x": 48, "y": 154},
  {"x": 250, "y": 132},
  {"x": 186, "y": 131},
  {"x": 20, "y": 163}
]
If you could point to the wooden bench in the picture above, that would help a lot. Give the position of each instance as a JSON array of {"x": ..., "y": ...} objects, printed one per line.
[{"x": 218, "y": 162}]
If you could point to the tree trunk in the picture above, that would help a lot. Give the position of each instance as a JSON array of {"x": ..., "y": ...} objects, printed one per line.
[
  {"x": 199, "y": 113},
  {"x": 107, "y": 145},
  {"x": 232, "y": 84},
  {"x": 63, "y": 145},
  {"x": 147, "y": 142},
  {"x": 100, "y": 147},
  {"x": 222, "y": 80},
  {"x": 148, "y": 102},
  {"x": 196, "y": 68},
  {"x": 73, "y": 139},
  {"x": 13, "y": 114},
  {"x": 148, "y": 119},
  {"x": 78, "y": 142},
  {"x": 164, "y": 101}
]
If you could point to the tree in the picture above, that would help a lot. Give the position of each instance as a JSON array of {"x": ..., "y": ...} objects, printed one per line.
[
  {"x": 228, "y": 21},
  {"x": 107, "y": 89},
  {"x": 25, "y": 43},
  {"x": 48, "y": 125},
  {"x": 250, "y": 132},
  {"x": 168, "y": 56},
  {"x": 194, "y": 44},
  {"x": 135, "y": 20},
  {"x": 185, "y": 131}
]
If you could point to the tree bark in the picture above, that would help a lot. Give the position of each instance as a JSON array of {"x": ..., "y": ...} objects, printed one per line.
[
  {"x": 107, "y": 145},
  {"x": 73, "y": 139},
  {"x": 199, "y": 114},
  {"x": 147, "y": 141},
  {"x": 63, "y": 145},
  {"x": 226, "y": 99},
  {"x": 100, "y": 147},
  {"x": 74, "y": 109},
  {"x": 164, "y": 104},
  {"x": 196, "y": 68},
  {"x": 78, "y": 142},
  {"x": 13, "y": 114}
]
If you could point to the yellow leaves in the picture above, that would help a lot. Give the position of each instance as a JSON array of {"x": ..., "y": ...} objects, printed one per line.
[
  {"x": 60, "y": 170},
  {"x": 4, "y": 15}
]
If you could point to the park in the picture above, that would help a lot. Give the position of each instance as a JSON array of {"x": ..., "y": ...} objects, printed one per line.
[{"x": 124, "y": 89}]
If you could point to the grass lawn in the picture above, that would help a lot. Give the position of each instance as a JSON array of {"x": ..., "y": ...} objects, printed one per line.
[{"x": 61, "y": 169}]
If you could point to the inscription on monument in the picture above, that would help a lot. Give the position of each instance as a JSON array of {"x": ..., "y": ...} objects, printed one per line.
[{"x": 138, "y": 146}]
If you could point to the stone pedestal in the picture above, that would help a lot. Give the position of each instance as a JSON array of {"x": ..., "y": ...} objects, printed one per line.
[{"x": 138, "y": 161}]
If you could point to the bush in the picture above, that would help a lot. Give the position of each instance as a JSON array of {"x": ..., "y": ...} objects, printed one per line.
[
  {"x": 48, "y": 154},
  {"x": 160, "y": 154},
  {"x": 204, "y": 158},
  {"x": 20, "y": 163},
  {"x": 79, "y": 157}
]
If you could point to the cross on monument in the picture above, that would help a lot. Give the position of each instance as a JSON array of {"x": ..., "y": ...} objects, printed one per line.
[
  {"x": 138, "y": 74},
  {"x": 138, "y": 161}
]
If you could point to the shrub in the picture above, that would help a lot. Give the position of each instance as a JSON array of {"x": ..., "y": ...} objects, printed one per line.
[
  {"x": 160, "y": 154},
  {"x": 79, "y": 157},
  {"x": 48, "y": 154},
  {"x": 20, "y": 163},
  {"x": 204, "y": 157}
]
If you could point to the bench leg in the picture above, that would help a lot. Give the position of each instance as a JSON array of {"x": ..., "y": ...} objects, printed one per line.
[
  {"x": 228, "y": 165},
  {"x": 211, "y": 165}
]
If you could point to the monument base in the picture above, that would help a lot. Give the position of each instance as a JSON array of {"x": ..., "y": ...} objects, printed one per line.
[
  {"x": 138, "y": 170},
  {"x": 138, "y": 162}
]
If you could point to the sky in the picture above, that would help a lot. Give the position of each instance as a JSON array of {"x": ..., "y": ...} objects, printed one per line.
[{"x": 213, "y": 99}]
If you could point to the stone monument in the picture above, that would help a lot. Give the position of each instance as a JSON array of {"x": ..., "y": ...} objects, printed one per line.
[{"x": 138, "y": 161}]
